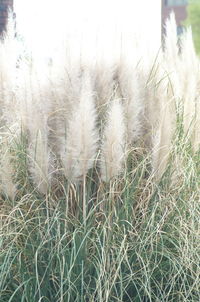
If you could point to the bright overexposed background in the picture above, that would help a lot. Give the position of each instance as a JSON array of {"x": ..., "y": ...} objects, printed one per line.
[{"x": 90, "y": 23}]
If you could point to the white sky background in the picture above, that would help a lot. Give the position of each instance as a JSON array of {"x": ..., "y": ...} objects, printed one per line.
[{"x": 89, "y": 23}]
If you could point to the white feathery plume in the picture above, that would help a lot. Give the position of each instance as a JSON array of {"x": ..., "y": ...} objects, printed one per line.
[
  {"x": 79, "y": 149},
  {"x": 39, "y": 161},
  {"x": 162, "y": 118},
  {"x": 171, "y": 40},
  {"x": 162, "y": 138},
  {"x": 8, "y": 57},
  {"x": 64, "y": 92},
  {"x": 104, "y": 82},
  {"x": 8, "y": 187},
  {"x": 113, "y": 146},
  {"x": 36, "y": 110},
  {"x": 132, "y": 90},
  {"x": 189, "y": 74},
  {"x": 172, "y": 59},
  {"x": 196, "y": 136},
  {"x": 156, "y": 102},
  {"x": 40, "y": 165}
]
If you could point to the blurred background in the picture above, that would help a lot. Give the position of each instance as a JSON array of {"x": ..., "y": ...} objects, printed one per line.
[{"x": 31, "y": 21}]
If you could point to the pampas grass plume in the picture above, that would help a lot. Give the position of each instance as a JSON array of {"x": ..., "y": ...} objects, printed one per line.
[
  {"x": 132, "y": 89},
  {"x": 40, "y": 163},
  {"x": 79, "y": 150},
  {"x": 8, "y": 187},
  {"x": 113, "y": 146},
  {"x": 190, "y": 74}
]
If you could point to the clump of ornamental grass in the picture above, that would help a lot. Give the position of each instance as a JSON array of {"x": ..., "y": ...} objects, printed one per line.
[
  {"x": 99, "y": 176},
  {"x": 52, "y": 96}
]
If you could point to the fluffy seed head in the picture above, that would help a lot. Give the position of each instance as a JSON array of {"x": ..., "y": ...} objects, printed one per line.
[{"x": 113, "y": 146}]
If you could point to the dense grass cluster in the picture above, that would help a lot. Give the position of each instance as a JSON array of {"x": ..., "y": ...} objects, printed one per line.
[{"x": 100, "y": 173}]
